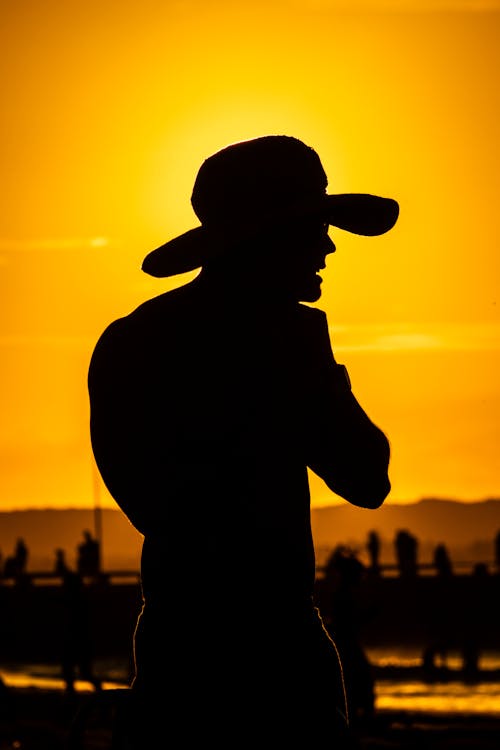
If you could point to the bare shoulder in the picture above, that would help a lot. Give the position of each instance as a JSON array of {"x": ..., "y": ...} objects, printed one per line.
[{"x": 146, "y": 319}]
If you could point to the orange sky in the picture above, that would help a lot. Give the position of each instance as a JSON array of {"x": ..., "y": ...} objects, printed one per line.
[{"x": 110, "y": 107}]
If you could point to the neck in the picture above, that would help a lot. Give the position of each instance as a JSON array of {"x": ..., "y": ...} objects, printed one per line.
[{"x": 244, "y": 286}]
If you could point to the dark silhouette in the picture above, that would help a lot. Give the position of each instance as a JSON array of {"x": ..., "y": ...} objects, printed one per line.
[
  {"x": 88, "y": 556},
  {"x": 373, "y": 548},
  {"x": 344, "y": 616},
  {"x": 477, "y": 611},
  {"x": 480, "y": 570},
  {"x": 406, "y": 546},
  {"x": 496, "y": 544},
  {"x": 10, "y": 725},
  {"x": 16, "y": 564},
  {"x": 471, "y": 653},
  {"x": 442, "y": 561},
  {"x": 208, "y": 403},
  {"x": 60, "y": 564},
  {"x": 76, "y": 640},
  {"x": 21, "y": 555},
  {"x": 442, "y": 636}
]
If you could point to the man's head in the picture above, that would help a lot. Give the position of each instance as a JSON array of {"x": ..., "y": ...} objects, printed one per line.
[
  {"x": 257, "y": 182},
  {"x": 265, "y": 201},
  {"x": 266, "y": 193}
]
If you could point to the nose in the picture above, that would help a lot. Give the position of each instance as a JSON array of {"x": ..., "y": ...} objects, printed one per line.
[{"x": 328, "y": 245}]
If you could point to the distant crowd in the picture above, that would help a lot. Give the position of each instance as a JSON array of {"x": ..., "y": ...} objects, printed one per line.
[
  {"x": 407, "y": 562},
  {"x": 406, "y": 554},
  {"x": 340, "y": 593},
  {"x": 88, "y": 560}
]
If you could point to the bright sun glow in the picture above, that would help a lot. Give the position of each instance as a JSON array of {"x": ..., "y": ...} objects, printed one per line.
[{"x": 106, "y": 124}]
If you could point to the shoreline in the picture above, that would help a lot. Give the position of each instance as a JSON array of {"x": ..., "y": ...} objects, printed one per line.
[
  {"x": 40, "y": 715},
  {"x": 115, "y": 672}
]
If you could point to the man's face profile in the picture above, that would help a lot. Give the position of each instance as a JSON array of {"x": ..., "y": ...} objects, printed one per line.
[{"x": 297, "y": 257}]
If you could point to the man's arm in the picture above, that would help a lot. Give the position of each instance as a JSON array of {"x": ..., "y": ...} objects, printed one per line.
[{"x": 343, "y": 446}]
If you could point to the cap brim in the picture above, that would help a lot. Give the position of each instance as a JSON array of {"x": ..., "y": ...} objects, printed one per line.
[
  {"x": 361, "y": 213},
  {"x": 358, "y": 213},
  {"x": 180, "y": 255}
]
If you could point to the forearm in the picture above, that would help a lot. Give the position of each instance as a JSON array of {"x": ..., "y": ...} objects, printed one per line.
[
  {"x": 350, "y": 453},
  {"x": 344, "y": 447}
]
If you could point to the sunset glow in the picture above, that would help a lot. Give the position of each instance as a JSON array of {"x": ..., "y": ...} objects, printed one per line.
[{"x": 109, "y": 110}]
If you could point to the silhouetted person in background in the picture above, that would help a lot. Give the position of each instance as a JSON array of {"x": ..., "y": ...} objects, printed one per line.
[
  {"x": 76, "y": 642},
  {"x": 344, "y": 615},
  {"x": 21, "y": 555},
  {"x": 373, "y": 548},
  {"x": 477, "y": 612},
  {"x": 442, "y": 636},
  {"x": 60, "y": 564},
  {"x": 17, "y": 563},
  {"x": 442, "y": 561},
  {"x": 406, "y": 547},
  {"x": 88, "y": 556},
  {"x": 497, "y": 551},
  {"x": 208, "y": 403}
]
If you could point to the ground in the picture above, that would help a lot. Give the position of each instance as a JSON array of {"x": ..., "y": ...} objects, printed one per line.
[{"x": 34, "y": 719}]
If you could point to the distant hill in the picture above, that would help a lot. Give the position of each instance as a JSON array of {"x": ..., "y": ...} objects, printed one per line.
[
  {"x": 45, "y": 530},
  {"x": 468, "y": 529}
]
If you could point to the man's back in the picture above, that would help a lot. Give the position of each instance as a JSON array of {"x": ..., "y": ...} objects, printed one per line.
[{"x": 198, "y": 430}]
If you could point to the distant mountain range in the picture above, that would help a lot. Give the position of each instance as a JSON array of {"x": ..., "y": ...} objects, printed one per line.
[
  {"x": 46, "y": 530},
  {"x": 468, "y": 530}
]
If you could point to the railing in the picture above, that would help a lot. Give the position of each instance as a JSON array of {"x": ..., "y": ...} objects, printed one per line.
[
  {"x": 121, "y": 576},
  {"x": 50, "y": 578}
]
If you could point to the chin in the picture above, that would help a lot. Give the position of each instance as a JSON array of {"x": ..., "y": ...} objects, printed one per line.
[{"x": 311, "y": 293}]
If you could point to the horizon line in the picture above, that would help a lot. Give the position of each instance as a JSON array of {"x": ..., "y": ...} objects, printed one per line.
[{"x": 427, "y": 498}]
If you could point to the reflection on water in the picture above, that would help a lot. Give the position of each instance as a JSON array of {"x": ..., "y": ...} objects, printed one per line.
[
  {"x": 48, "y": 677},
  {"x": 413, "y": 695},
  {"x": 412, "y": 657},
  {"x": 449, "y": 697},
  {"x": 16, "y": 679}
]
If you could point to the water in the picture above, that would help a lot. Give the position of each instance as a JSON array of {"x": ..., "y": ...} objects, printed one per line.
[
  {"x": 452, "y": 697},
  {"x": 48, "y": 677},
  {"x": 412, "y": 657},
  {"x": 449, "y": 698}
]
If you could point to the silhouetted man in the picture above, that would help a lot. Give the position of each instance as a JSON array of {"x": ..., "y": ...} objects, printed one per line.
[{"x": 208, "y": 405}]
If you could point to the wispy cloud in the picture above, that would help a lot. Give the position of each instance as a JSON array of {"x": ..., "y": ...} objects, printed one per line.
[
  {"x": 404, "y": 6},
  {"x": 412, "y": 337},
  {"x": 57, "y": 243},
  {"x": 390, "y": 337}
]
